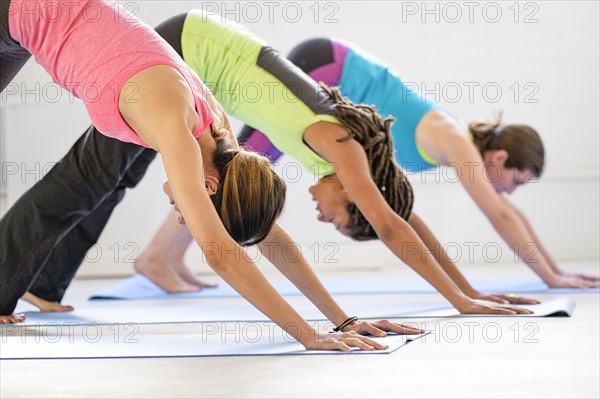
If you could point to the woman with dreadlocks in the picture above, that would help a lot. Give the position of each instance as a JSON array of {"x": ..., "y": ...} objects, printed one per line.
[
  {"x": 491, "y": 158},
  {"x": 313, "y": 124},
  {"x": 151, "y": 101}
]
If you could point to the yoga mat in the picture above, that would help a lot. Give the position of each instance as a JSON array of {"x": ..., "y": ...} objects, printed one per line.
[
  {"x": 139, "y": 287},
  {"x": 194, "y": 310},
  {"x": 108, "y": 345}
]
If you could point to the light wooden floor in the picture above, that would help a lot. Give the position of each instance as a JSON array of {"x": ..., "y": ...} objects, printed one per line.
[{"x": 464, "y": 357}]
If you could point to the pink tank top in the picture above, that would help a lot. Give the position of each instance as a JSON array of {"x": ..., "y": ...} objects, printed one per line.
[{"x": 91, "y": 48}]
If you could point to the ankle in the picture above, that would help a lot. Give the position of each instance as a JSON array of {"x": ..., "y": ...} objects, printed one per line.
[{"x": 151, "y": 256}]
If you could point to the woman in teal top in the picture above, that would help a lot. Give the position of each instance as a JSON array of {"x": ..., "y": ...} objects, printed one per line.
[
  {"x": 499, "y": 158},
  {"x": 371, "y": 196}
]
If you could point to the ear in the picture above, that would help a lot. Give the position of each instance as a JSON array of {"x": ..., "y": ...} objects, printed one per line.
[
  {"x": 211, "y": 183},
  {"x": 499, "y": 157}
]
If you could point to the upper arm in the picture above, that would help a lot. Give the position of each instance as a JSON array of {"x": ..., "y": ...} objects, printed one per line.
[
  {"x": 417, "y": 224},
  {"x": 441, "y": 137},
  {"x": 182, "y": 160},
  {"x": 512, "y": 207},
  {"x": 436, "y": 132},
  {"x": 273, "y": 238},
  {"x": 165, "y": 118}
]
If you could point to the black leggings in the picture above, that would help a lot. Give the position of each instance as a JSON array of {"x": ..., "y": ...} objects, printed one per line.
[{"x": 48, "y": 231}]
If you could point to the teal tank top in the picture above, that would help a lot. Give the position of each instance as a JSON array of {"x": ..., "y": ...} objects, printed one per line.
[{"x": 365, "y": 79}]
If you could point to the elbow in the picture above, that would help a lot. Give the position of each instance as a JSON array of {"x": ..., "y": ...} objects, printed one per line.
[
  {"x": 502, "y": 218},
  {"x": 217, "y": 263},
  {"x": 221, "y": 252},
  {"x": 388, "y": 230},
  {"x": 221, "y": 257},
  {"x": 385, "y": 233}
]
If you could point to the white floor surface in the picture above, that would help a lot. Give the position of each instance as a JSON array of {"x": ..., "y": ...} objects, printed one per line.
[{"x": 462, "y": 358}]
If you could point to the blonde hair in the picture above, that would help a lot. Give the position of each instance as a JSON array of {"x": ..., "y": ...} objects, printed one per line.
[{"x": 250, "y": 196}]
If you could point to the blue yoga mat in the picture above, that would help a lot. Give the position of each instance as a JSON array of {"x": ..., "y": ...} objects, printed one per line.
[
  {"x": 139, "y": 287},
  {"x": 97, "y": 344},
  {"x": 110, "y": 346},
  {"x": 238, "y": 310}
]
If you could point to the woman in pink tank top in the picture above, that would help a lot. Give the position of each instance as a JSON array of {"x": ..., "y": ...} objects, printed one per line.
[{"x": 138, "y": 90}]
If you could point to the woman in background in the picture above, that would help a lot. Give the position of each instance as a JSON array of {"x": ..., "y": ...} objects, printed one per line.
[
  {"x": 320, "y": 129},
  {"x": 492, "y": 159}
]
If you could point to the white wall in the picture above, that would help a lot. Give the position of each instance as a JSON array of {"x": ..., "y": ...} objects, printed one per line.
[{"x": 546, "y": 51}]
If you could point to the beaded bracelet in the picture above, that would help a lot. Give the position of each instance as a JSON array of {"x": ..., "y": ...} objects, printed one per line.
[{"x": 346, "y": 323}]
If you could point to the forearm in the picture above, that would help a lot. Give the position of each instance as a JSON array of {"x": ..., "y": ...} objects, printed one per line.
[
  {"x": 309, "y": 284},
  {"x": 297, "y": 269},
  {"x": 456, "y": 276},
  {"x": 536, "y": 241},
  {"x": 245, "y": 278},
  {"x": 553, "y": 265},
  {"x": 436, "y": 248},
  {"x": 514, "y": 232},
  {"x": 404, "y": 242},
  {"x": 555, "y": 276},
  {"x": 232, "y": 264}
]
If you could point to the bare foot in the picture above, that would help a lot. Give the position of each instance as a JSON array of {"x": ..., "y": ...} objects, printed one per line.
[
  {"x": 186, "y": 274},
  {"x": 161, "y": 274},
  {"x": 12, "y": 319},
  {"x": 44, "y": 305}
]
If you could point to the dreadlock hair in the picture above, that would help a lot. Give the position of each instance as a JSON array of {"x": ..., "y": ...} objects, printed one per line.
[
  {"x": 366, "y": 126},
  {"x": 251, "y": 195},
  {"x": 522, "y": 143}
]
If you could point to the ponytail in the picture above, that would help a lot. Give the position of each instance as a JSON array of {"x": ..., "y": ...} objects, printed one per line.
[{"x": 522, "y": 143}]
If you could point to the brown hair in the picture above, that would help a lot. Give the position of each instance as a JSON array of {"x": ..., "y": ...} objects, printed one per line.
[
  {"x": 367, "y": 127},
  {"x": 250, "y": 196},
  {"x": 522, "y": 143}
]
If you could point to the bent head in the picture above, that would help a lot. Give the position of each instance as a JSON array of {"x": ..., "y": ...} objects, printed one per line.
[
  {"x": 372, "y": 132},
  {"x": 513, "y": 154},
  {"x": 332, "y": 203},
  {"x": 248, "y": 195},
  {"x": 251, "y": 195}
]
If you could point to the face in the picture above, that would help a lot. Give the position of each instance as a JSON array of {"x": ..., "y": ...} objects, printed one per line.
[
  {"x": 332, "y": 202},
  {"x": 211, "y": 183},
  {"x": 167, "y": 190},
  {"x": 505, "y": 180}
]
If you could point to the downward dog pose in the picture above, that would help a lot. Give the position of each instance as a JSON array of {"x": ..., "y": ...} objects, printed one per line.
[
  {"x": 145, "y": 95},
  {"x": 314, "y": 127},
  {"x": 494, "y": 159}
]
